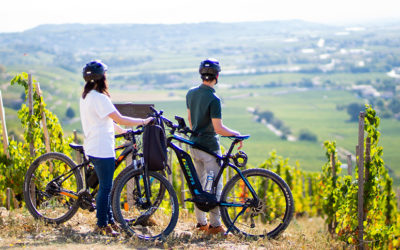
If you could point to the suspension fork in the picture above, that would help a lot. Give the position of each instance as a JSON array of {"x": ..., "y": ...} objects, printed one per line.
[{"x": 147, "y": 190}]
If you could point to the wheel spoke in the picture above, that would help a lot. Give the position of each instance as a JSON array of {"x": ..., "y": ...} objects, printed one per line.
[
  {"x": 142, "y": 220},
  {"x": 42, "y": 194},
  {"x": 265, "y": 215}
]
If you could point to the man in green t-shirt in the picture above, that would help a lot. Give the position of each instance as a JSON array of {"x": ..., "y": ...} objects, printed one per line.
[{"x": 205, "y": 119}]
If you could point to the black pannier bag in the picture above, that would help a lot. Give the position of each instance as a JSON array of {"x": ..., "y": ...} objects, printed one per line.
[
  {"x": 91, "y": 177},
  {"x": 154, "y": 148}
]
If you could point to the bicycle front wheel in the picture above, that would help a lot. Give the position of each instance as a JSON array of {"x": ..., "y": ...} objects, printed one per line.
[
  {"x": 268, "y": 216},
  {"x": 156, "y": 202},
  {"x": 147, "y": 218},
  {"x": 48, "y": 197}
]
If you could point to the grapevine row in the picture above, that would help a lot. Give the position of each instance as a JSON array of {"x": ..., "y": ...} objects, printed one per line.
[{"x": 327, "y": 193}]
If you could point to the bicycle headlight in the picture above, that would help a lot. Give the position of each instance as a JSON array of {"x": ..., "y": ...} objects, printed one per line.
[{"x": 240, "y": 159}]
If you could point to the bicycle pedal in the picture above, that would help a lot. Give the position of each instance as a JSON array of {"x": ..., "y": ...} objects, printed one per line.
[{"x": 92, "y": 208}]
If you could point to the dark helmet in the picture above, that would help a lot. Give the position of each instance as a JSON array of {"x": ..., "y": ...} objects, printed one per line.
[
  {"x": 94, "y": 70},
  {"x": 209, "y": 69}
]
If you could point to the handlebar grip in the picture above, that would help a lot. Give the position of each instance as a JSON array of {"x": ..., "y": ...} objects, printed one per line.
[{"x": 153, "y": 109}]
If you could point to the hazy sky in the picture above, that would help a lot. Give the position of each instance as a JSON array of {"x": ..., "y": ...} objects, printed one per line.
[{"x": 19, "y": 15}]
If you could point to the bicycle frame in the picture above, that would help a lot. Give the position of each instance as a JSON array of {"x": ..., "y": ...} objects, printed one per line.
[
  {"x": 128, "y": 147},
  {"x": 190, "y": 173}
]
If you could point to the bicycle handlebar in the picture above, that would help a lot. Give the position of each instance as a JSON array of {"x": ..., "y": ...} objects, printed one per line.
[
  {"x": 130, "y": 134},
  {"x": 180, "y": 127}
]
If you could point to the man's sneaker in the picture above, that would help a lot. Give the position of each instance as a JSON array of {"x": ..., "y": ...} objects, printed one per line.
[
  {"x": 215, "y": 230},
  {"x": 202, "y": 227},
  {"x": 107, "y": 230}
]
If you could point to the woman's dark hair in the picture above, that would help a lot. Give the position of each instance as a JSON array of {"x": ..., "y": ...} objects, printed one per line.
[{"x": 101, "y": 85}]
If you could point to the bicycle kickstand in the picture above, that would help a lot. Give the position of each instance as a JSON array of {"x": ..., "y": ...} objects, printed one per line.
[{"x": 233, "y": 222}]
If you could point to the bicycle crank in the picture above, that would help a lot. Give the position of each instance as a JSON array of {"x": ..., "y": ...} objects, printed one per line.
[{"x": 85, "y": 201}]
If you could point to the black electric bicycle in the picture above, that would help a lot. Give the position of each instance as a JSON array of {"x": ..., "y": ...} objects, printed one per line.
[
  {"x": 55, "y": 187},
  {"x": 254, "y": 202}
]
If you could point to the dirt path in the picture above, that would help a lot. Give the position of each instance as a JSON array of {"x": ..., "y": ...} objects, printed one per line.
[{"x": 19, "y": 230}]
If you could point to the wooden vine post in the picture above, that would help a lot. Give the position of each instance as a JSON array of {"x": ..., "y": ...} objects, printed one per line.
[
  {"x": 367, "y": 158},
  {"x": 310, "y": 186},
  {"x": 333, "y": 226},
  {"x": 30, "y": 105},
  {"x": 8, "y": 199},
  {"x": 44, "y": 123},
  {"x": 77, "y": 154},
  {"x": 360, "y": 153},
  {"x": 398, "y": 198},
  {"x": 333, "y": 162},
  {"x": 4, "y": 127},
  {"x": 349, "y": 167}
]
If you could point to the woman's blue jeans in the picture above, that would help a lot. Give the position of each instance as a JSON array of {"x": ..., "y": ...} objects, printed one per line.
[{"x": 105, "y": 171}]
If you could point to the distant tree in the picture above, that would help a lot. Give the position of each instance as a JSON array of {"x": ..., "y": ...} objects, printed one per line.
[
  {"x": 306, "y": 135},
  {"x": 70, "y": 113},
  {"x": 394, "y": 106},
  {"x": 286, "y": 130},
  {"x": 380, "y": 103},
  {"x": 2, "y": 68},
  {"x": 306, "y": 82},
  {"x": 354, "y": 109},
  {"x": 277, "y": 123},
  {"x": 267, "y": 115},
  {"x": 385, "y": 114}
]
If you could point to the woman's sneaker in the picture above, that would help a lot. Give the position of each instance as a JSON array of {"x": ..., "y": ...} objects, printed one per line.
[{"x": 107, "y": 230}]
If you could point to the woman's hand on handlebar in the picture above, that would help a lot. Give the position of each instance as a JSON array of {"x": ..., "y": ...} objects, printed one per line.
[{"x": 147, "y": 120}]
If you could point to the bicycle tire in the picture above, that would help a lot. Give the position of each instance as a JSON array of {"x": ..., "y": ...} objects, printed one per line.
[
  {"x": 133, "y": 219},
  {"x": 270, "y": 216},
  {"x": 46, "y": 205},
  {"x": 157, "y": 202}
]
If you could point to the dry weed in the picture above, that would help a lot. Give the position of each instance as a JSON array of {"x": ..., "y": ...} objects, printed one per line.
[{"x": 18, "y": 229}]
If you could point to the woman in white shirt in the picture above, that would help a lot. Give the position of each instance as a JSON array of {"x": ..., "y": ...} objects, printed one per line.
[{"x": 98, "y": 115}]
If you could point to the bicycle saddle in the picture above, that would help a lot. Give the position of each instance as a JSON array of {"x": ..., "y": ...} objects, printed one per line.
[
  {"x": 76, "y": 147},
  {"x": 239, "y": 137}
]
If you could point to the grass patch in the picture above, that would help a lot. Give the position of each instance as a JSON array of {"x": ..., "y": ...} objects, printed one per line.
[{"x": 19, "y": 230}]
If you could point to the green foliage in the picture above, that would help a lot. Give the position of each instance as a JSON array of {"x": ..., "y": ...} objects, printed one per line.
[
  {"x": 329, "y": 184},
  {"x": 341, "y": 195},
  {"x": 14, "y": 169},
  {"x": 303, "y": 185}
]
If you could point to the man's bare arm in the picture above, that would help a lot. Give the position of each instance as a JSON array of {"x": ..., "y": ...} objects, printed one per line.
[{"x": 223, "y": 130}]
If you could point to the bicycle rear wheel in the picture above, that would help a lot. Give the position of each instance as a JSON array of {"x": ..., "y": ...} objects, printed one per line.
[
  {"x": 47, "y": 198},
  {"x": 268, "y": 217},
  {"x": 145, "y": 220}
]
